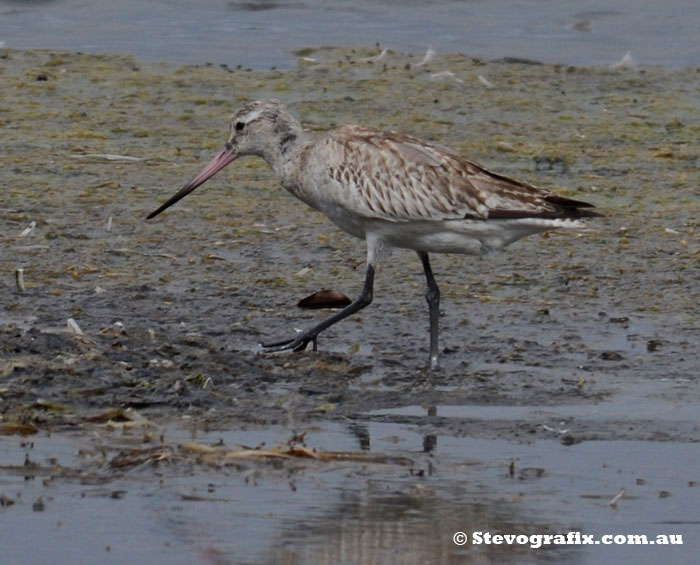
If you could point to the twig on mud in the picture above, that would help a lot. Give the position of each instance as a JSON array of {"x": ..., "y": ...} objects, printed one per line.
[
  {"x": 106, "y": 157},
  {"x": 614, "y": 499},
  {"x": 214, "y": 455}
]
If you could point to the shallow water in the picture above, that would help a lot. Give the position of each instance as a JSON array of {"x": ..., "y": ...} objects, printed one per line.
[
  {"x": 261, "y": 34},
  {"x": 177, "y": 512}
]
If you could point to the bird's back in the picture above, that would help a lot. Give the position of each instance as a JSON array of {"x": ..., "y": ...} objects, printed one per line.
[{"x": 397, "y": 177}]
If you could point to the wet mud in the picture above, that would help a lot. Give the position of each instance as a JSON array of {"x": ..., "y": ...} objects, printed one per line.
[{"x": 123, "y": 341}]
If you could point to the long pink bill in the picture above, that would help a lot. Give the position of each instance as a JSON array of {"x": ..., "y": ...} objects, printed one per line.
[{"x": 226, "y": 156}]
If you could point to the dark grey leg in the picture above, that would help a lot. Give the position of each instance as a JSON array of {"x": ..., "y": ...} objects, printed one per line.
[
  {"x": 433, "y": 298},
  {"x": 299, "y": 342}
]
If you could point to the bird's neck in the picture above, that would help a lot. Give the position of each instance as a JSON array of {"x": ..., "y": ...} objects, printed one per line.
[{"x": 284, "y": 156}]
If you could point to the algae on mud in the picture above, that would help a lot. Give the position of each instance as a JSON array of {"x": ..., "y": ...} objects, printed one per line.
[{"x": 92, "y": 142}]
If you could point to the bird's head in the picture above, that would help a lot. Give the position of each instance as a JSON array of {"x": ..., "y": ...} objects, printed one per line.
[{"x": 263, "y": 128}]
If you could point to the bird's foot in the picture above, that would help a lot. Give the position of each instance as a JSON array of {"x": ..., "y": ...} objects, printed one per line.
[{"x": 297, "y": 343}]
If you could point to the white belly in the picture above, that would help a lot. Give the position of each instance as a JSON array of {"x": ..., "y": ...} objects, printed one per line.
[{"x": 469, "y": 237}]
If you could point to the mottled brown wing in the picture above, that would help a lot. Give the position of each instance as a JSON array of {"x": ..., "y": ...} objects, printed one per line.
[
  {"x": 509, "y": 198},
  {"x": 398, "y": 177}
]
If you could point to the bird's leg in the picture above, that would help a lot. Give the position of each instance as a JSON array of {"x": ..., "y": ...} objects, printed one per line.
[
  {"x": 300, "y": 341},
  {"x": 433, "y": 298}
]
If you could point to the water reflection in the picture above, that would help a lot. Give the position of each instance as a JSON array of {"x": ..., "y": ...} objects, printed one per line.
[
  {"x": 375, "y": 526},
  {"x": 181, "y": 510},
  {"x": 361, "y": 432}
]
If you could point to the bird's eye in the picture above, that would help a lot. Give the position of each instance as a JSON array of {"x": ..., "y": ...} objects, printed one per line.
[{"x": 239, "y": 126}]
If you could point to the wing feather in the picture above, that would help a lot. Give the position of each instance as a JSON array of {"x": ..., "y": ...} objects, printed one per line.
[{"x": 397, "y": 177}]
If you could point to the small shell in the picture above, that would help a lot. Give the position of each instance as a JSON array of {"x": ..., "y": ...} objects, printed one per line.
[
  {"x": 324, "y": 299},
  {"x": 19, "y": 279},
  {"x": 74, "y": 327},
  {"x": 29, "y": 230}
]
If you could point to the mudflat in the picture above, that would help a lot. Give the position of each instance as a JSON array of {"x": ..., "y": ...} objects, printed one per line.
[{"x": 114, "y": 329}]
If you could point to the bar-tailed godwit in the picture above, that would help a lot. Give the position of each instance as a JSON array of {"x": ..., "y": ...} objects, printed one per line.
[{"x": 390, "y": 189}]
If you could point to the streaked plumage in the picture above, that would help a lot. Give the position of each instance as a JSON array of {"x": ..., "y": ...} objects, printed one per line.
[{"x": 394, "y": 189}]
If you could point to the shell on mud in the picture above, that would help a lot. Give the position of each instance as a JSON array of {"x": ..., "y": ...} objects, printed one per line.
[{"x": 324, "y": 299}]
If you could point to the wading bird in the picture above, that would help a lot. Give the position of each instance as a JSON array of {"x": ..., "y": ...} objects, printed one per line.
[{"x": 390, "y": 189}]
